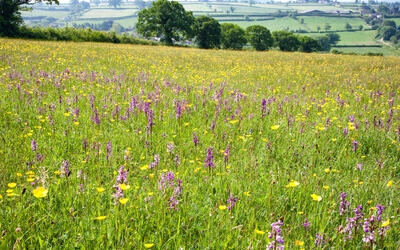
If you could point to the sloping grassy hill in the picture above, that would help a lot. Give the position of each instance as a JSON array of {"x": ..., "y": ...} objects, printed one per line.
[{"x": 119, "y": 146}]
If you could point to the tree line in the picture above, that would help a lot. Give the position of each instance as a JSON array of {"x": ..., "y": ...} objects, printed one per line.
[{"x": 171, "y": 23}]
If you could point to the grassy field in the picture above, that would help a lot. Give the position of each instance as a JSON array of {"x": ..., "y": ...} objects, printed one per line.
[
  {"x": 133, "y": 147},
  {"x": 387, "y": 51},
  {"x": 48, "y": 13},
  {"x": 108, "y": 13},
  {"x": 336, "y": 23},
  {"x": 358, "y": 37},
  {"x": 275, "y": 24},
  {"x": 365, "y": 37}
]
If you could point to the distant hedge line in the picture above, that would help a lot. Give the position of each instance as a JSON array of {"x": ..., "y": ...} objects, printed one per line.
[{"x": 78, "y": 35}]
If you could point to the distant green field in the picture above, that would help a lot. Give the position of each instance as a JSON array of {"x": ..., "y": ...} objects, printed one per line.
[
  {"x": 396, "y": 20},
  {"x": 127, "y": 22},
  {"x": 275, "y": 24},
  {"x": 358, "y": 37},
  {"x": 387, "y": 51},
  {"x": 197, "y": 6},
  {"x": 365, "y": 37},
  {"x": 48, "y": 13},
  {"x": 108, "y": 13},
  {"x": 301, "y": 8},
  {"x": 337, "y": 23}
]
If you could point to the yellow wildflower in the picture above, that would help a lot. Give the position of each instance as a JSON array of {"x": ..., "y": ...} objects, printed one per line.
[
  {"x": 40, "y": 192},
  {"x": 101, "y": 217},
  {"x": 124, "y": 187},
  {"x": 123, "y": 201},
  {"x": 316, "y": 197},
  {"x": 259, "y": 232},
  {"x": 12, "y": 185}
]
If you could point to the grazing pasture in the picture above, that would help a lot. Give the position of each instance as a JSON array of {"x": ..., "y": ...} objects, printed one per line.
[{"x": 132, "y": 147}]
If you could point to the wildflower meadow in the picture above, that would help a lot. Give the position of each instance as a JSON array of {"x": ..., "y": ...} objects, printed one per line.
[{"x": 132, "y": 147}]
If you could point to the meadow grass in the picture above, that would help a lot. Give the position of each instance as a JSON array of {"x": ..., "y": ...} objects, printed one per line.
[{"x": 132, "y": 147}]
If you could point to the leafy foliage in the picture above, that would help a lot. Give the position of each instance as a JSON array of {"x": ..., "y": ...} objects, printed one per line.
[
  {"x": 259, "y": 37},
  {"x": 233, "y": 36},
  {"x": 308, "y": 44},
  {"x": 286, "y": 41},
  {"x": 167, "y": 20},
  {"x": 208, "y": 32},
  {"x": 10, "y": 18}
]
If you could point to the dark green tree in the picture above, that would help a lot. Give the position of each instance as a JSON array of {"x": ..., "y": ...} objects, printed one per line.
[
  {"x": 259, "y": 37},
  {"x": 114, "y": 3},
  {"x": 207, "y": 32},
  {"x": 308, "y": 44},
  {"x": 389, "y": 23},
  {"x": 348, "y": 26},
  {"x": 333, "y": 38},
  {"x": 324, "y": 43},
  {"x": 232, "y": 36},
  {"x": 167, "y": 20},
  {"x": 286, "y": 41},
  {"x": 386, "y": 32},
  {"x": 10, "y": 15},
  {"x": 327, "y": 26}
]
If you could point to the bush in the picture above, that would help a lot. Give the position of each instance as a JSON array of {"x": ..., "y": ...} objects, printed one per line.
[{"x": 78, "y": 35}]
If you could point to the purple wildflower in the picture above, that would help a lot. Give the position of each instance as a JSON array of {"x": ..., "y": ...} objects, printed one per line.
[
  {"x": 306, "y": 225},
  {"x": 345, "y": 131},
  {"x": 34, "y": 145},
  {"x": 319, "y": 240},
  {"x": 109, "y": 149},
  {"x": 167, "y": 183},
  {"x": 355, "y": 145},
  {"x": 263, "y": 107},
  {"x": 65, "y": 171},
  {"x": 379, "y": 211},
  {"x": 226, "y": 154},
  {"x": 344, "y": 205},
  {"x": 179, "y": 110},
  {"x": 231, "y": 201},
  {"x": 209, "y": 160},
  {"x": 276, "y": 236},
  {"x": 170, "y": 147},
  {"x": 122, "y": 175},
  {"x": 196, "y": 140}
]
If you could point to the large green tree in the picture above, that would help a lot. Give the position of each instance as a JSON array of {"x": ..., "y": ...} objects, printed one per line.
[
  {"x": 286, "y": 41},
  {"x": 308, "y": 44},
  {"x": 167, "y": 20},
  {"x": 207, "y": 32},
  {"x": 233, "y": 36},
  {"x": 259, "y": 37},
  {"x": 10, "y": 15}
]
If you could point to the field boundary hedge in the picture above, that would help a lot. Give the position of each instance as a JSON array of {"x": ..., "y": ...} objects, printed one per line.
[{"x": 356, "y": 46}]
